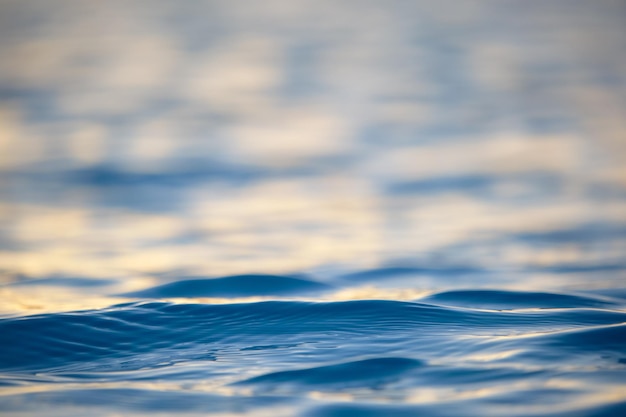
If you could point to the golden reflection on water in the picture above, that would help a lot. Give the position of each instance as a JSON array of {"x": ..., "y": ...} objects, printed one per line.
[
  {"x": 50, "y": 300},
  {"x": 45, "y": 299},
  {"x": 248, "y": 231},
  {"x": 330, "y": 113}
]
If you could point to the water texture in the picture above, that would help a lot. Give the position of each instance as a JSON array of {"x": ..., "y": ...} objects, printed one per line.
[
  {"x": 427, "y": 352},
  {"x": 313, "y": 208}
]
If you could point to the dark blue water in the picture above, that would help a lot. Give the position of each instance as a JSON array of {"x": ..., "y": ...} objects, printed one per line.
[
  {"x": 329, "y": 208},
  {"x": 471, "y": 352}
]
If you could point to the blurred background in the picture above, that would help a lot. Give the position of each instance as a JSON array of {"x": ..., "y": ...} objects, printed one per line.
[{"x": 143, "y": 138}]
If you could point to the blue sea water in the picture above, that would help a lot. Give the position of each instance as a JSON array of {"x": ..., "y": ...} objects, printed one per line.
[
  {"x": 517, "y": 353},
  {"x": 330, "y": 208}
]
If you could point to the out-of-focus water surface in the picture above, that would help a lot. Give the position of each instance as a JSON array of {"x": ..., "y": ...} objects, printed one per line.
[{"x": 318, "y": 208}]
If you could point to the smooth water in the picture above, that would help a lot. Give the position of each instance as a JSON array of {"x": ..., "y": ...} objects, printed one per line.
[{"x": 329, "y": 208}]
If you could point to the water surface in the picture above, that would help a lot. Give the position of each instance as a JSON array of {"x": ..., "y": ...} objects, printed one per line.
[{"x": 329, "y": 208}]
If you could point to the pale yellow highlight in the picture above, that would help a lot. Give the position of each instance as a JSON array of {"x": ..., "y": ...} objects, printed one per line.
[
  {"x": 286, "y": 136},
  {"x": 18, "y": 146},
  {"x": 27, "y": 301},
  {"x": 87, "y": 144},
  {"x": 235, "y": 76},
  {"x": 499, "y": 154},
  {"x": 374, "y": 293},
  {"x": 152, "y": 145}
]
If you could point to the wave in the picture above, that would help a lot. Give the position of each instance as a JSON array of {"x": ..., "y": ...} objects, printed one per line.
[
  {"x": 476, "y": 408},
  {"x": 378, "y": 274},
  {"x": 365, "y": 373},
  {"x": 234, "y": 286},
  {"x": 510, "y": 300},
  {"x": 149, "y": 335}
]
